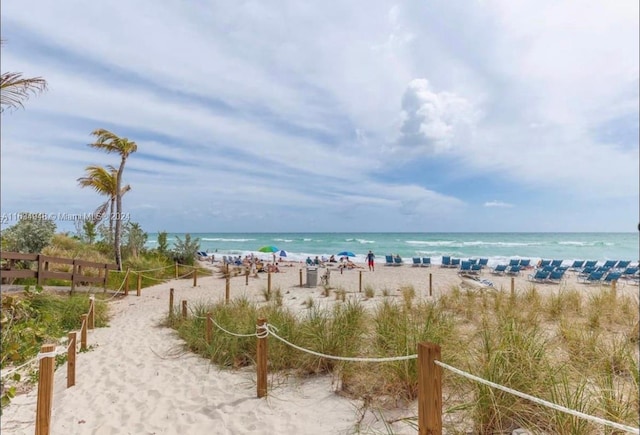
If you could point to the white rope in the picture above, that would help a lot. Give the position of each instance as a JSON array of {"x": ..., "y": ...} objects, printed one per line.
[
  {"x": 15, "y": 369},
  {"x": 233, "y": 333},
  {"x": 270, "y": 328},
  {"x": 541, "y": 401},
  {"x": 153, "y": 270},
  {"x": 153, "y": 278}
]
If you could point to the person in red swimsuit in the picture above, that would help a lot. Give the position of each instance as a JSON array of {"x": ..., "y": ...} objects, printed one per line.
[{"x": 370, "y": 258}]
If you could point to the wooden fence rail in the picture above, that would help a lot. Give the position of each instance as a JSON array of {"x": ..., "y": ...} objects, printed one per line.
[{"x": 44, "y": 262}]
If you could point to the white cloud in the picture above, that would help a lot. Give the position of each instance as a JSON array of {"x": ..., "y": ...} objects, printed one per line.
[{"x": 498, "y": 204}]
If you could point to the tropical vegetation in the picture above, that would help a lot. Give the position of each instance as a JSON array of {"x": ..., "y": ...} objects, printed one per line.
[{"x": 15, "y": 89}]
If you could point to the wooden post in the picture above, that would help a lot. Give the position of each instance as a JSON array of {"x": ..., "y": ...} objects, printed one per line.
[
  {"x": 126, "y": 282},
  {"x": 83, "y": 333},
  {"x": 176, "y": 270},
  {"x": 430, "y": 284},
  {"x": 429, "y": 390},
  {"x": 73, "y": 276},
  {"x": 227, "y": 289},
  {"x": 106, "y": 278},
  {"x": 208, "y": 332},
  {"x": 139, "y": 288},
  {"x": 300, "y": 277},
  {"x": 513, "y": 287},
  {"x": 184, "y": 309},
  {"x": 92, "y": 309},
  {"x": 71, "y": 360},
  {"x": 261, "y": 358},
  {"x": 195, "y": 277},
  {"x": 268, "y": 282},
  {"x": 360, "y": 282},
  {"x": 45, "y": 391},
  {"x": 246, "y": 277},
  {"x": 170, "y": 302},
  {"x": 40, "y": 270}
]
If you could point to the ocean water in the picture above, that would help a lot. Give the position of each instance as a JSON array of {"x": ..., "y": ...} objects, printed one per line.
[{"x": 497, "y": 247}]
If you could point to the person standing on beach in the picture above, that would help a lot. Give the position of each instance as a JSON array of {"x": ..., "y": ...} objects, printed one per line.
[{"x": 370, "y": 258}]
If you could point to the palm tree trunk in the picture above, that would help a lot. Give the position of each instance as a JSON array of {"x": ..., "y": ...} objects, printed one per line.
[
  {"x": 118, "y": 233},
  {"x": 111, "y": 211}
]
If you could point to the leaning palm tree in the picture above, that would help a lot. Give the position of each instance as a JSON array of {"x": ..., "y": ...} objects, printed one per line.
[
  {"x": 103, "y": 181},
  {"x": 14, "y": 89},
  {"x": 111, "y": 143}
]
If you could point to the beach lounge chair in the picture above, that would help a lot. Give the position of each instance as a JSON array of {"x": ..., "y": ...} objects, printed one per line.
[
  {"x": 397, "y": 261},
  {"x": 539, "y": 276},
  {"x": 483, "y": 262},
  {"x": 473, "y": 261},
  {"x": 548, "y": 268},
  {"x": 556, "y": 276},
  {"x": 388, "y": 260},
  {"x": 476, "y": 269},
  {"x": 426, "y": 261},
  {"x": 622, "y": 264},
  {"x": 544, "y": 263},
  {"x": 611, "y": 276},
  {"x": 514, "y": 262},
  {"x": 593, "y": 277},
  {"x": 609, "y": 264},
  {"x": 416, "y": 261},
  {"x": 590, "y": 263},
  {"x": 587, "y": 271},
  {"x": 513, "y": 270},
  {"x": 629, "y": 272},
  {"x": 500, "y": 269},
  {"x": 525, "y": 262},
  {"x": 556, "y": 263},
  {"x": 576, "y": 266},
  {"x": 446, "y": 261},
  {"x": 455, "y": 262},
  {"x": 465, "y": 267}
]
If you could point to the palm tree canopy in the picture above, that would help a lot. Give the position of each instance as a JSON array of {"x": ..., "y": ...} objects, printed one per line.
[
  {"x": 102, "y": 180},
  {"x": 111, "y": 143},
  {"x": 14, "y": 89}
]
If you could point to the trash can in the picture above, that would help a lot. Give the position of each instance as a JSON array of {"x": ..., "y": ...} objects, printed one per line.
[{"x": 312, "y": 276}]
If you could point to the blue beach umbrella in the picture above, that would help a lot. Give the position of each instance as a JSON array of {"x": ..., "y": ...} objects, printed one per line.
[
  {"x": 346, "y": 254},
  {"x": 283, "y": 253}
]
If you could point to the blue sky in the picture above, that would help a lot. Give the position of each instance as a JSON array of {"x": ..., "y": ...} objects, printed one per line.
[{"x": 312, "y": 116}]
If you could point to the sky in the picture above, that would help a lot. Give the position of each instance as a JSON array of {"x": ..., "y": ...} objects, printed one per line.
[{"x": 293, "y": 116}]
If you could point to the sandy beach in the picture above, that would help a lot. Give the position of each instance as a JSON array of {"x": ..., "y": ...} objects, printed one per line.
[{"x": 137, "y": 377}]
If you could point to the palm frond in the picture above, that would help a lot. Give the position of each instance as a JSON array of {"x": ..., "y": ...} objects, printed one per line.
[{"x": 14, "y": 89}]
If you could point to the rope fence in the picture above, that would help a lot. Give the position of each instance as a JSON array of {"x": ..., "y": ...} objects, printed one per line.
[{"x": 429, "y": 379}]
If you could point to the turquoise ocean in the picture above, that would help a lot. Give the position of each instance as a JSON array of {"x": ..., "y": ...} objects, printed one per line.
[{"x": 497, "y": 247}]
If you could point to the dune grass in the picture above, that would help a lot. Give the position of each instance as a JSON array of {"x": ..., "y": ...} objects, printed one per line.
[{"x": 577, "y": 351}]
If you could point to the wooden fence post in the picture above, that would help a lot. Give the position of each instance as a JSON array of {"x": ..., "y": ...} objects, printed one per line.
[
  {"x": 184, "y": 309},
  {"x": 360, "y": 282},
  {"x": 227, "y": 289},
  {"x": 106, "y": 278},
  {"x": 430, "y": 284},
  {"x": 513, "y": 287},
  {"x": 300, "y": 277},
  {"x": 246, "y": 277},
  {"x": 40, "y": 270},
  {"x": 614, "y": 285},
  {"x": 71, "y": 360},
  {"x": 261, "y": 358},
  {"x": 73, "y": 276},
  {"x": 429, "y": 390},
  {"x": 126, "y": 282},
  {"x": 268, "y": 282},
  {"x": 176, "y": 270},
  {"x": 92, "y": 309},
  {"x": 170, "y": 302},
  {"x": 209, "y": 329},
  {"x": 195, "y": 277},
  {"x": 45, "y": 391},
  {"x": 83, "y": 333},
  {"x": 139, "y": 288}
]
